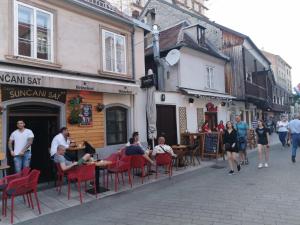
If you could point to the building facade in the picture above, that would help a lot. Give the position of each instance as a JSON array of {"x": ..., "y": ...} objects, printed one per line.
[{"x": 74, "y": 64}]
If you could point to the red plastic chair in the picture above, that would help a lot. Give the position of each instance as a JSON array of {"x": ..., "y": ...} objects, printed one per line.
[
  {"x": 164, "y": 159},
  {"x": 139, "y": 162},
  {"x": 122, "y": 165},
  {"x": 60, "y": 174},
  {"x": 33, "y": 179},
  {"x": 21, "y": 186},
  {"x": 83, "y": 173},
  {"x": 5, "y": 180}
]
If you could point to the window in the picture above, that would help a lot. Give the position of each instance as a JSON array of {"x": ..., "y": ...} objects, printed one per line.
[
  {"x": 114, "y": 52},
  {"x": 210, "y": 77},
  {"x": 116, "y": 125},
  {"x": 34, "y": 32}
]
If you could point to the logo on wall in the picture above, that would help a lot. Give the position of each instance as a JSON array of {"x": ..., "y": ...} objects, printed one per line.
[{"x": 211, "y": 107}]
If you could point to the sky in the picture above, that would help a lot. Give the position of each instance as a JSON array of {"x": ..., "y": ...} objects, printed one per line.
[{"x": 271, "y": 25}]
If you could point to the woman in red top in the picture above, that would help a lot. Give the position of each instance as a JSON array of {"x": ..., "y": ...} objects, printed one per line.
[
  {"x": 205, "y": 127},
  {"x": 221, "y": 126}
]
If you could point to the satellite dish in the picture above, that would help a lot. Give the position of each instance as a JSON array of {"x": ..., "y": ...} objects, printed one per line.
[{"x": 173, "y": 57}]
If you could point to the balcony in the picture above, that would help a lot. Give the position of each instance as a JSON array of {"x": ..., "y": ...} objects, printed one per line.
[
  {"x": 280, "y": 108},
  {"x": 255, "y": 91}
]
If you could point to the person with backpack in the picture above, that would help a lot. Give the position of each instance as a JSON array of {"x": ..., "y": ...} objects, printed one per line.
[
  {"x": 263, "y": 141},
  {"x": 242, "y": 130}
]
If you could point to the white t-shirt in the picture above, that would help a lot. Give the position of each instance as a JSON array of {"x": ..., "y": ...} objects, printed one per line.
[
  {"x": 282, "y": 126},
  {"x": 21, "y": 139},
  {"x": 59, "y": 139},
  {"x": 160, "y": 149}
]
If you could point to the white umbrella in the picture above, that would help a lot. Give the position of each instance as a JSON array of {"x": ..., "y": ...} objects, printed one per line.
[{"x": 151, "y": 114}]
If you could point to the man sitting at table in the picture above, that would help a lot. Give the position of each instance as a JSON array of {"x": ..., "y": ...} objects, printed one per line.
[
  {"x": 65, "y": 164},
  {"x": 136, "y": 149},
  {"x": 162, "y": 148}
]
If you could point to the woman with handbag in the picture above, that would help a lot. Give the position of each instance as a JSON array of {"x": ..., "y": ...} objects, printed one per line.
[
  {"x": 262, "y": 143},
  {"x": 229, "y": 140}
]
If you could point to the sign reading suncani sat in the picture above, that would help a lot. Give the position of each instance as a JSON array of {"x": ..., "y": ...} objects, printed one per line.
[
  {"x": 9, "y": 92},
  {"x": 19, "y": 79}
]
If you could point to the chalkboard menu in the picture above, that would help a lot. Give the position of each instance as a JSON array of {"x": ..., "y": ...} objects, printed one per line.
[{"x": 211, "y": 144}]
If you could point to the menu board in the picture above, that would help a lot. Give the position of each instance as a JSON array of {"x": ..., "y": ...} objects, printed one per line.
[{"x": 211, "y": 143}]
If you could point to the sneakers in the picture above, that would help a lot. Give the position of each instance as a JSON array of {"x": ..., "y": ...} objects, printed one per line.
[
  {"x": 246, "y": 162},
  {"x": 293, "y": 159},
  {"x": 260, "y": 165},
  {"x": 231, "y": 172},
  {"x": 266, "y": 165},
  {"x": 238, "y": 167}
]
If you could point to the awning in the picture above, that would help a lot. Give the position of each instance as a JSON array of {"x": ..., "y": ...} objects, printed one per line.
[
  {"x": 198, "y": 93},
  {"x": 52, "y": 79}
]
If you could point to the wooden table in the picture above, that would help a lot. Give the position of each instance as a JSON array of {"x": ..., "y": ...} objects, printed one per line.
[{"x": 180, "y": 151}]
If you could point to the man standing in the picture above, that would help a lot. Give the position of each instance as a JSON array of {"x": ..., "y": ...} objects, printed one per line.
[
  {"x": 60, "y": 139},
  {"x": 242, "y": 129},
  {"x": 22, "y": 139},
  {"x": 294, "y": 133}
]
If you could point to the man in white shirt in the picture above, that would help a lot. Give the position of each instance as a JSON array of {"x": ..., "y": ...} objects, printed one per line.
[
  {"x": 162, "y": 148},
  {"x": 60, "y": 139},
  {"x": 22, "y": 139}
]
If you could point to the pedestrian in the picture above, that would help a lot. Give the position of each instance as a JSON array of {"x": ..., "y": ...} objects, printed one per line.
[
  {"x": 22, "y": 139},
  {"x": 242, "y": 132},
  {"x": 263, "y": 141},
  {"x": 282, "y": 128},
  {"x": 221, "y": 126},
  {"x": 294, "y": 135},
  {"x": 205, "y": 127},
  {"x": 229, "y": 140}
]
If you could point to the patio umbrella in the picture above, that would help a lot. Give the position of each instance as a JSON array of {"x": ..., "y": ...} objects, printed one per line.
[{"x": 151, "y": 114}]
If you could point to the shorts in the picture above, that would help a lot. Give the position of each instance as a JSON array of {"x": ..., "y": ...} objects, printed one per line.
[
  {"x": 262, "y": 142},
  {"x": 242, "y": 144}
]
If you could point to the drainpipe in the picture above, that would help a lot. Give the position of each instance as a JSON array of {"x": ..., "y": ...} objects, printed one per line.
[
  {"x": 133, "y": 77},
  {"x": 161, "y": 65}
]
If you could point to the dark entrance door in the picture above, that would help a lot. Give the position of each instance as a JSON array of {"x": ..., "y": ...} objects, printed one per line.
[
  {"x": 212, "y": 118},
  {"x": 166, "y": 123},
  {"x": 44, "y": 122}
]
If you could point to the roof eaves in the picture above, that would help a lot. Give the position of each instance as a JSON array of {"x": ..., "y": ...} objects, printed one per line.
[{"x": 102, "y": 11}]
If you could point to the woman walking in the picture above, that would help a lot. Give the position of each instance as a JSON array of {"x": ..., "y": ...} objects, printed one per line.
[
  {"x": 263, "y": 144},
  {"x": 282, "y": 128},
  {"x": 230, "y": 138}
]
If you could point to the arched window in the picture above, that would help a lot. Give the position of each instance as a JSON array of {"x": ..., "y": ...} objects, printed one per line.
[{"x": 116, "y": 125}]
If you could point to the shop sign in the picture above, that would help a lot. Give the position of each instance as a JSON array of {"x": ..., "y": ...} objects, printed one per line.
[
  {"x": 15, "y": 92},
  {"x": 20, "y": 79}
]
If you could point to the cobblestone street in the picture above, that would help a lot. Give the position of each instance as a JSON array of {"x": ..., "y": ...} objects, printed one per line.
[{"x": 205, "y": 196}]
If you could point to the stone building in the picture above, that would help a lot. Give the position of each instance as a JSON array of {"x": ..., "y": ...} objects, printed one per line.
[{"x": 70, "y": 63}]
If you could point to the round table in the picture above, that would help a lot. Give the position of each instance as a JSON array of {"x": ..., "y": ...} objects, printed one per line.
[{"x": 180, "y": 151}]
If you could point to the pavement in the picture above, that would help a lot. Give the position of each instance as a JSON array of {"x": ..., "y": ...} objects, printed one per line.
[{"x": 203, "y": 196}]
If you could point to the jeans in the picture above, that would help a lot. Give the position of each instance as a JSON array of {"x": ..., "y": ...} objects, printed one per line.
[
  {"x": 295, "y": 143},
  {"x": 242, "y": 143},
  {"x": 282, "y": 137},
  {"x": 22, "y": 161}
]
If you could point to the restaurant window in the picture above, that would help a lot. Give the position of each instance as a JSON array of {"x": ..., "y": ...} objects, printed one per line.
[
  {"x": 34, "y": 32},
  {"x": 114, "y": 52},
  {"x": 116, "y": 125}
]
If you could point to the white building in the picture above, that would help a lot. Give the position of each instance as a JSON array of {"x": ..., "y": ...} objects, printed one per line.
[{"x": 194, "y": 86}]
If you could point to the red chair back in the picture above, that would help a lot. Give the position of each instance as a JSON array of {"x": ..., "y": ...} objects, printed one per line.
[
  {"x": 137, "y": 161},
  {"x": 25, "y": 171},
  {"x": 163, "y": 159},
  {"x": 124, "y": 163},
  {"x": 33, "y": 179},
  {"x": 113, "y": 157},
  {"x": 86, "y": 172},
  {"x": 18, "y": 186}
]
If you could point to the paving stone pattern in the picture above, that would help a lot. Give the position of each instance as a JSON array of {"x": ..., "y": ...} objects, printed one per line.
[{"x": 268, "y": 196}]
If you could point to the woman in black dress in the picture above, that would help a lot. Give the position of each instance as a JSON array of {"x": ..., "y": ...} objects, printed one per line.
[
  {"x": 262, "y": 143},
  {"x": 230, "y": 137}
]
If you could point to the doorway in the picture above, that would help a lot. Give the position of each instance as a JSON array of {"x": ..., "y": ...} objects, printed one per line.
[
  {"x": 212, "y": 118},
  {"x": 44, "y": 121},
  {"x": 166, "y": 123}
]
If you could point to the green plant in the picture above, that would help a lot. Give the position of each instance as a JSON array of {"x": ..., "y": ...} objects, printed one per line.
[{"x": 74, "y": 105}]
